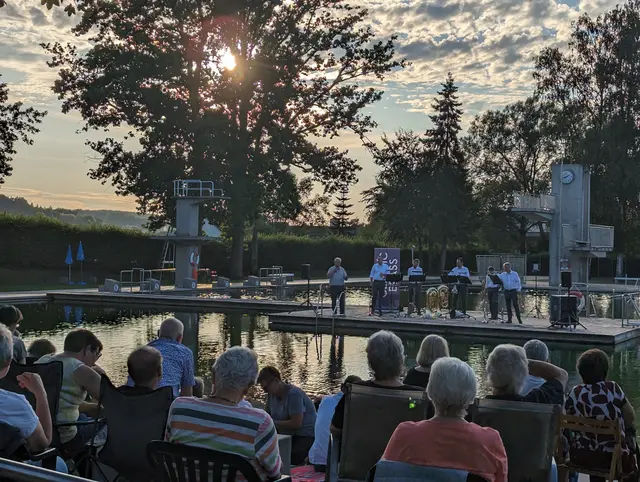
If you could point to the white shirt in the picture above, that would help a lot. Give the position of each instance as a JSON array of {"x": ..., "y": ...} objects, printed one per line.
[
  {"x": 490, "y": 284},
  {"x": 464, "y": 271},
  {"x": 318, "y": 452},
  {"x": 16, "y": 411},
  {"x": 510, "y": 281},
  {"x": 531, "y": 383}
]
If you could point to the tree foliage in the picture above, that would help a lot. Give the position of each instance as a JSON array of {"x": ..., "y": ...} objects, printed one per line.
[
  {"x": 343, "y": 219},
  {"x": 162, "y": 70},
  {"x": 16, "y": 124}
]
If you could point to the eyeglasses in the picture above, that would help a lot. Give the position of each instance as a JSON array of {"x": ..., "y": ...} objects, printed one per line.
[{"x": 98, "y": 355}]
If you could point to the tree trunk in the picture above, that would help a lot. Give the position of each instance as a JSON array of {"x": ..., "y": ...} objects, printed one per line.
[
  {"x": 443, "y": 254},
  {"x": 237, "y": 234},
  {"x": 254, "y": 249}
]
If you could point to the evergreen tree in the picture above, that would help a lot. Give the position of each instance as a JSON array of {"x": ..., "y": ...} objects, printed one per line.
[{"x": 342, "y": 216}]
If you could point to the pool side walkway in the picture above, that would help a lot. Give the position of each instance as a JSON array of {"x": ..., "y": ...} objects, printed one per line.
[{"x": 599, "y": 331}]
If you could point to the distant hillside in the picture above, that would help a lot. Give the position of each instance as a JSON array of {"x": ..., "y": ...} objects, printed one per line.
[{"x": 121, "y": 219}]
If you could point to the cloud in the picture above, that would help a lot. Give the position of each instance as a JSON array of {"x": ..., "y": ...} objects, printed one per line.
[{"x": 77, "y": 200}]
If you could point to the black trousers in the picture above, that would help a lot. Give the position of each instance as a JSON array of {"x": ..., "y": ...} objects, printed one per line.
[
  {"x": 414, "y": 295},
  {"x": 377, "y": 295},
  {"x": 511, "y": 298},
  {"x": 300, "y": 446},
  {"x": 460, "y": 300},
  {"x": 335, "y": 293},
  {"x": 492, "y": 295}
]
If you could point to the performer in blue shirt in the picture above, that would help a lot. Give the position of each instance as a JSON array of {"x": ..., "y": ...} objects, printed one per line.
[
  {"x": 414, "y": 286},
  {"x": 459, "y": 300},
  {"x": 379, "y": 272},
  {"x": 492, "y": 293},
  {"x": 512, "y": 286}
]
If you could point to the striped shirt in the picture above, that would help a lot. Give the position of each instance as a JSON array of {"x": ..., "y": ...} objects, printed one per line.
[{"x": 248, "y": 432}]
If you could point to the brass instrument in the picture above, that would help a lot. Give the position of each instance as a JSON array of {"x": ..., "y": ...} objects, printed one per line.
[{"x": 443, "y": 292}]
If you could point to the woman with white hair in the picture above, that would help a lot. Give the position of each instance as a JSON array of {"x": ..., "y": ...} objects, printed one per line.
[
  {"x": 219, "y": 423},
  {"x": 448, "y": 440},
  {"x": 432, "y": 348},
  {"x": 508, "y": 367},
  {"x": 385, "y": 355}
]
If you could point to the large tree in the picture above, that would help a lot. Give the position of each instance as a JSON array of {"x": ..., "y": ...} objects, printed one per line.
[
  {"x": 16, "y": 124},
  {"x": 343, "y": 219},
  {"x": 236, "y": 92},
  {"x": 510, "y": 150},
  {"x": 596, "y": 85}
]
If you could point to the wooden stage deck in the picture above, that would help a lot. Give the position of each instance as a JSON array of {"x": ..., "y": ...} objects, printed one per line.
[{"x": 600, "y": 331}]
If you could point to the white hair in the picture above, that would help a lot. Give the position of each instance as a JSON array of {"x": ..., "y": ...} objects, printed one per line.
[
  {"x": 536, "y": 350},
  {"x": 6, "y": 346},
  {"x": 451, "y": 387},
  {"x": 385, "y": 354},
  {"x": 171, "y": 328},
  {"x": 432, "y": 348},
  {"x": 507, "y": 368},
  {"x": 339, "y": 260},
  {"x": 236, "y": 368}
]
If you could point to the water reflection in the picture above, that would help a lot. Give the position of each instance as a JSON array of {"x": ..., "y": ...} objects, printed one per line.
[{"x": 318, "y": 364}]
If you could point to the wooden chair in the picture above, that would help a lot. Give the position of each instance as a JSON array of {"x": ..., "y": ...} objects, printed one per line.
[{"x": 591, "y": 426}]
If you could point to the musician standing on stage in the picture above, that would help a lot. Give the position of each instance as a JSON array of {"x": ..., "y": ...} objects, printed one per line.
[
  {"x": 378, "y": 275},
  {"x": 492, "y": 293},
  {"x": 337, "y": 276},
  {"x": 512, "y": 286},
  {"x": 460, "y": 270},
  {"x": 414, "y": 287}
]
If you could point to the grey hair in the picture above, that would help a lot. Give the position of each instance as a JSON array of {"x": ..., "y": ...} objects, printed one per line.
[
  {"x": 236, "y": 368},
  {"x": 452, "y": 387},
  {"x": 6, "y": 346},
  {"x": 432, "y": 348},
  {"x": 536, "y": 350},
  {"x": 507, "y": 368},
  {"x": 385, "y": 354},
  {"x": 337, "y": 258},
  {"x": 506, "y": 264},
  {"x": 171, "y": 328}
]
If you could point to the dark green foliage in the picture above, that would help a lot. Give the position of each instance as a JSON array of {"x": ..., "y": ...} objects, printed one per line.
[{"x": 343, "y": 221}]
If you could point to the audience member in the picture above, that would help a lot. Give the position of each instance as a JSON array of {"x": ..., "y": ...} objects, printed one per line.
[
  {"x": 35, "y": 427},
  {"x": 144, "y": 366},
  {"x": 241, "y": 403},
  {"x": 219, "y": 423},
  {"x": 177, "y": 359},
  {"x": 599, "y": 399},
  {"x": 80, "y": 377},
  {"x": 40, "y": 348},
  {"x": 292, "y": 412},
  {"x": 385, "y": 355},
  {"x": 10, "y": 316},
  {"x": 507, "y": 367},
  {"x": 326, "y": 409},
  {"x": 431, "y": 348},
  {"x": 447, "y": 440},
  {"x": 535, "y": 350}
]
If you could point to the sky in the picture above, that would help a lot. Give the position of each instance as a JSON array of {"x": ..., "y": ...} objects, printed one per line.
[{"x": 488, "y": 46}]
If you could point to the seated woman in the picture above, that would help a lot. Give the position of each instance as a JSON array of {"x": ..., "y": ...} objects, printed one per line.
[
  {"x": 447, "y": 440},
  {"x": 219, "y": 423},
  {"x": 292, "y": 411},
  {"x": 385, "y": 355},
  {"x": 507, "y": 368},
  {"x": 599, "y": 399},
  {"x": 431, "y": 348}
]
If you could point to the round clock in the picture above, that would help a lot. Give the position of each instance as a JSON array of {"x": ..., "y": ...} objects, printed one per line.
[{"x": 566, "y": 177}]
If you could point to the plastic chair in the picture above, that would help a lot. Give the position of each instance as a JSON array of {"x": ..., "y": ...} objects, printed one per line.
[
  {"x": 528, "y": 432},
  {"x": 391, "y": 471},
  {"x": 181, "y": 463}
]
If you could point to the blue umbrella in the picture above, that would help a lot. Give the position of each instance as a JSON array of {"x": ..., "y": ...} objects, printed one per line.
[
  {"x": 80, "y": 257},
  {"x": 69, "y": 261}
]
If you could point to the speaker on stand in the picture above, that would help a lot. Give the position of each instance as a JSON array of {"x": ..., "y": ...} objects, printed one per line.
[{"x": 305, "y": 273}]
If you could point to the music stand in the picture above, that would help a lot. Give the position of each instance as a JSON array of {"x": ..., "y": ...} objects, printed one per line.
[
  {"x": 393, "y": 278},
  {"x": 414, "y": 279},
  {"x": 455, "y": 280}
]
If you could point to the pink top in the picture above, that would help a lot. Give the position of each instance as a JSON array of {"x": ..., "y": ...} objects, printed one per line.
[{"x": 452, "y": 445}]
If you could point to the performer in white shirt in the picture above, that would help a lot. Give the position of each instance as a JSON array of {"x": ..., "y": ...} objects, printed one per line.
[
  {"x": 492, "y": 293},
  {"x": 460, "y": 299},
  {"x": 337, "y": 276},
  {"x": 512, "y": 286},
  {"x": 378, "y": 275},
  {"x": 414, "y": 287}
]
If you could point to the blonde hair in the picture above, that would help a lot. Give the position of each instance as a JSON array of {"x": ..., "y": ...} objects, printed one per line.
[{"x": 432, "y": 348}]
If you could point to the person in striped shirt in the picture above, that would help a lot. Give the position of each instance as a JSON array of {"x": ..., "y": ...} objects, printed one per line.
[{"x": 219, "y": 423}]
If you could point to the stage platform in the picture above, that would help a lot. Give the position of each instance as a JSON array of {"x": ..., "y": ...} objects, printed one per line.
[{"x": 599, "y": 331}]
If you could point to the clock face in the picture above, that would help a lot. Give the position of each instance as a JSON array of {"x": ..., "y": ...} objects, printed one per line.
[{"x": 566, "y": 177}]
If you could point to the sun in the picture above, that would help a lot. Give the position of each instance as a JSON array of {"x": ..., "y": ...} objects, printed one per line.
[{"x": 227, "y": 61}]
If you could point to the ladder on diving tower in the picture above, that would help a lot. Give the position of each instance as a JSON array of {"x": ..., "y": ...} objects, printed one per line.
[{"x": 168, "y": 255}]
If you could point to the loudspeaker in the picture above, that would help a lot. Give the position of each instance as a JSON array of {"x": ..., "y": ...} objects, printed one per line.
[
  {"x": 306, "y": 271},
  {"x": 565, "y": 279}
]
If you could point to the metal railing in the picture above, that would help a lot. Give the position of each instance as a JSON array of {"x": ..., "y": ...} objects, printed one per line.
[
  {"x": 19, "y": 472},
  {"x": 542, "y": 202},
  {"x": 601, "y": 237},
  {"x": 196, "y": 189},
  {"x": 144, "y": 275},
  {"x": 629, "y": 299}
]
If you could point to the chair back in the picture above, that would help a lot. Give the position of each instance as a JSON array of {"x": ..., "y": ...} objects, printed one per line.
[
  {"x": 10, "y": 440},
  {"x": 390, "y": 471},
  {"x": 528, "y": 432},
  {"x": 182, "y": 463},
  {"x": 371, "y": 416},
  {"x": 132, "y": 422},
  {"x": 592, "y": 427},
  {"x": 51, "y": 375}
]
